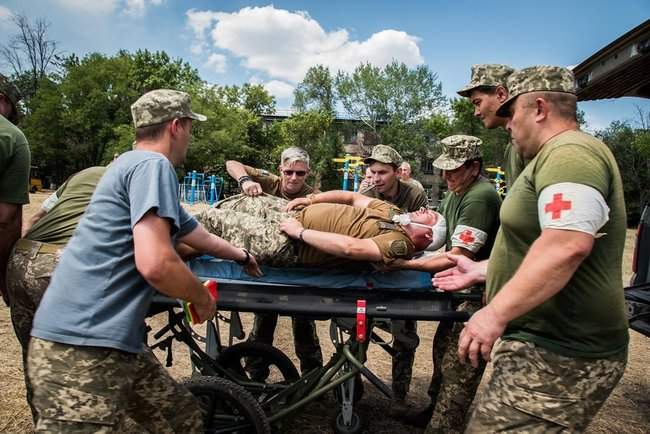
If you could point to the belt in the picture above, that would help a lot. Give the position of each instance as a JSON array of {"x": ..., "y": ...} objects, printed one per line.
[{"x": 24, "y": 245}]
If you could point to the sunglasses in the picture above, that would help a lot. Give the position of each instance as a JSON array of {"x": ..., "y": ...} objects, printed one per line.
[{"x": 299, "y": 173}]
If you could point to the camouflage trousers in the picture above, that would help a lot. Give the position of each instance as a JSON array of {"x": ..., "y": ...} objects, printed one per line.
[
  {"x": 405, "y": 342},
  {"x": 253, "y": 223},
  {"x": 305, "y": 341},
  {"x": 534, "y": 390},
  {"x": 92, "y": 390},
  {"x": 28, "y": 275},
  {"x": 453, "y": 384}
]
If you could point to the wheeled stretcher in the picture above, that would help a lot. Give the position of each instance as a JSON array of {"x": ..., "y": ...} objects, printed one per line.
[{"x": 357, "y": 301}]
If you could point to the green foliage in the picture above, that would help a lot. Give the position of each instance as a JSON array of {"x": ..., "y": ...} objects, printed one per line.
[
  {"x": 316, "y": 91},
  {"x": 631, "y": 147}
]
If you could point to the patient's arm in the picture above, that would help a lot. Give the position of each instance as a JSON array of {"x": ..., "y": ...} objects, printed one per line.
[
  {"x": 334, "y": 244},
  {"x": 335, "y": 196},
  {"x": 431, "y": 263}
]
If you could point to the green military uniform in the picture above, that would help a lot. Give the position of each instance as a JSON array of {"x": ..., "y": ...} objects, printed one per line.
[
  {"x": 557, "y": 364},
  {"x": 14, "y": 164},
  {"x": 34, "y": 258},
  {"x": 513, "y": 164},
  {"x": 272, "y": 184},
  {"x": 472, "y": 223},
  {"x": 414, "y": 182},
  {"x": 408, "y": 198},
  {"x": 305, "y": 337}
]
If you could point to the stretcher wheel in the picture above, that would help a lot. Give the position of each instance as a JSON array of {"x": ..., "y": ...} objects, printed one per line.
[
  {"x": 234, "y": 358},
  {"x": 355, "y": 427},
  {"x": 227, "y": 407}
]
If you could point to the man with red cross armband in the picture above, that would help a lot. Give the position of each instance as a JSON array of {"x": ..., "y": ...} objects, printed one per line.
[
  {"x": 471, "y": 210},
  {"x": 554, "y": 284}
]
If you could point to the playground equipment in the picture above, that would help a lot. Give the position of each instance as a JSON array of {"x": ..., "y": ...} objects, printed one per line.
[
  {"x": 351, "y": 168},
  {"x": 198, "y": 188},
  {"x": 499, "y": 180}
]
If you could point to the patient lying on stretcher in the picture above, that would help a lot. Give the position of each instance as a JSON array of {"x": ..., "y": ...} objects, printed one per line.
[{"x": 356, "y": 228}]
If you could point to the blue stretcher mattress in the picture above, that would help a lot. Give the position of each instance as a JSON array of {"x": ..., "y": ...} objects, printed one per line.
[{"x": 207, "y": 267}]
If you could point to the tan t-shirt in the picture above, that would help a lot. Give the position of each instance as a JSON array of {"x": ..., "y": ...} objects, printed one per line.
[
  {"x": 272, "y": 184},
  {"x": 372, "y": 222},
  {"x": 409, "y": 198}
]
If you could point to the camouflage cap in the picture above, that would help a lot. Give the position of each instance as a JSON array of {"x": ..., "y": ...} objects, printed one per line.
[
  {"x": 456, "y": 150},
  {"x": 162, "y": 105},
  {"x": 486, "y": 74},
  {"x": 10, "y": 90},
  {"x": 542, "y": 78},
  {"x": 384, "y": 154}
]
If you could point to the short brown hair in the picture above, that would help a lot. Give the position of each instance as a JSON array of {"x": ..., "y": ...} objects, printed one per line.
[
  {"x": 155, "y": 131},
  {"x": 565, "y": 103}
]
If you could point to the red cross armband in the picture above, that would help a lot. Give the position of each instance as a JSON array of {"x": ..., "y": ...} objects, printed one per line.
[
  {"x": 190, "y": 311},
  {"x": 469, "y": 238},
  {"x": 571, "y": 206},
  {"x": 361, "y": 321}
]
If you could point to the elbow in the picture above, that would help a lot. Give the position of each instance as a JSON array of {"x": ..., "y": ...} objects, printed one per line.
[
  {"x": 348, "y": 250},
  {"x": 154, "y": 269},
  {"x": 579, "y": 249}
]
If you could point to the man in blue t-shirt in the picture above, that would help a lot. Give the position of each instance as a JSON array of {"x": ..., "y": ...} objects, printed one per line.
[{"x": 87, "y": 361}]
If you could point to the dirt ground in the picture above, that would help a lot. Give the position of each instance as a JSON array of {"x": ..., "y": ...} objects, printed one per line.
[{"x": 627, "y": 411}]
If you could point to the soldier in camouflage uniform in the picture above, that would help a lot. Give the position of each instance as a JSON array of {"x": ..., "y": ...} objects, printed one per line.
[
  {"x": 384, "y": 164},
  {"x": 87, "y": 361},
  {"x": 554, "y": 284},
  {"x": 487, "y": 90},
  {"x": 35, "y": 256},
  {"x": 471, "y": 210},
  {"x": 290, "y": 184}
]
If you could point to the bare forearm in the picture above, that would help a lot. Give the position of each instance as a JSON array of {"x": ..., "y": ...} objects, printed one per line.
[
  {"x": 32, "y": 221},
  {"x": 235, "y": 169},
  {"x": 546, "y": 269},
  {"x": 175, "y": 280},
  {"x": 342, "y": 245},
  {"x": 430, "y": 264},
  {"x": 334, "y": 196}
]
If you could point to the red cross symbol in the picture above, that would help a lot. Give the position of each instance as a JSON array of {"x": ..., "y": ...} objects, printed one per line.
[
  {"x": 557, "y": 206},
  {"x": 467, "y": 237}
]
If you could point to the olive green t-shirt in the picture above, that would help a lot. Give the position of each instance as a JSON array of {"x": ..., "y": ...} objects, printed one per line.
[
  {"x": 472, "y": 218},
  {"x": 372, "y": 222},
  {"x": 586, "y": 318},
  {"x": 272, "y": 184},
  {"x": 58, "y": 225},
  {"x": 15, "y": 163},
  {"x": 514, "y": 163},
  {"x": 409, "y": 198}
]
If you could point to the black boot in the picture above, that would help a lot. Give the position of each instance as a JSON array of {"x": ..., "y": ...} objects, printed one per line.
[{"x": 418, "y": 418}]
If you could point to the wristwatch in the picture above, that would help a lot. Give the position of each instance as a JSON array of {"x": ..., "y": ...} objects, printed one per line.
[{"x": 246, "y": 260}]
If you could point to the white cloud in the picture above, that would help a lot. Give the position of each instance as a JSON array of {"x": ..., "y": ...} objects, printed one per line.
[
  {"x": 217, "y": 62},
  {"x": 279, "y": 89},
  {"x": 199, "y": 22},
  {"x": 285, "y": 44},
  {"x": 137, "y": 8},
  {"x": 5, "y": 15},
  {"x": 96, "y": 7}
]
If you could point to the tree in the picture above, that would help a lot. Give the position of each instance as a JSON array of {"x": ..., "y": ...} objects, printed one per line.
[
  {"x": 316, "y": 91},
  {"x": 29, "y": 53}
]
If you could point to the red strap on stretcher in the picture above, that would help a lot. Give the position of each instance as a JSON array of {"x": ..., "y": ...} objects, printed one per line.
[{"x": 361, "y": 320}]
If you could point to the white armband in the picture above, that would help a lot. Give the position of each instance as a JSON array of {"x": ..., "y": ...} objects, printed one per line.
[
  {"x": 468, "y": 238},
  {"x": 573, "y": 207},
  {"x": 49, "y": 203}
]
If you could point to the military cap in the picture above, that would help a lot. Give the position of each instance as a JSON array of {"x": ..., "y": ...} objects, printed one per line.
[
  {"x": 542, "y": 78},
  {"x": 456, "y": 150},
  {"x": 486, "y": 74},
  {"x": 384, "y": 154},
  {"x": 10, "y": 90},
  {"x": 162, "y": 105}
]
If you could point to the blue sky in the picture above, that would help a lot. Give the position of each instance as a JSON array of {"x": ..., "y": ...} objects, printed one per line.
[{"x": 231, "y": 42}]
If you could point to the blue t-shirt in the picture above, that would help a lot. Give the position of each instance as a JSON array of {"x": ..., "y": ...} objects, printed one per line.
[{"x": 96, "y": 296}]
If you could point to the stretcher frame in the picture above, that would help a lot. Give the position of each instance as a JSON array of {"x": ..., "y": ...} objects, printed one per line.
[{"x": 367, "y": 307}]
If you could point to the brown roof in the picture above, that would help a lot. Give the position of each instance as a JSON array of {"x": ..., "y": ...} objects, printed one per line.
[{"x": 622, "y": 68}]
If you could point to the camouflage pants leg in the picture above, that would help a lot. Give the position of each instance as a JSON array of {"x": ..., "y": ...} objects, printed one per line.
[
  {"x": 28, "y": 276},
  {"x": 452, "y": 390},
  {"x": 406, "y": 340},
  {"x": 305, "y": 340},
  {"x": 261, "y": 237},
  {"x": 534, "y": 390},
  {"x": 265, "y": 206},
  {"x": 92, "y": 390}
]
